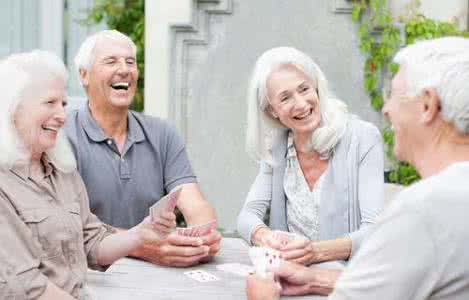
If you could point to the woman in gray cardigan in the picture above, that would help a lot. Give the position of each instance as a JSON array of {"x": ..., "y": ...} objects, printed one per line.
[{"x": 321, "y": 168}]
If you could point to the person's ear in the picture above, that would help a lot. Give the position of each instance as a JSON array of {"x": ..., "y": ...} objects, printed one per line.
[
  {"x": 430, "y": 105},
  {"x": 84, "y": 77},
  {"x": 271, "y": 111}
]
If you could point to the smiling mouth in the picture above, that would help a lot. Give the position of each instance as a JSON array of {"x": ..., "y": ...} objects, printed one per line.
[
  {"x": 304, "y": 116},
  {"x": 50, "y": 128},
  {"x": 121, "y": 86}
]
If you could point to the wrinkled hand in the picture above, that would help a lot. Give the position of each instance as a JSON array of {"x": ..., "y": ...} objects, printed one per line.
[
  {"x": 258, "y": 288},
  {"x": 297, "y": 279},
  {"x": 299, "y": 251},
  {"x": 212, "y": 240},
  {"x": 294, "y": 278},
  {"x": 173, "y": 251}
]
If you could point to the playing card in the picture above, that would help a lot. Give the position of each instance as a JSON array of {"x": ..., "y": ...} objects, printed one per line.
[
  {"x": 167, "y": 203},
  {"x": 197, "y": 230},
  {"x": 236, "y": 268},
  {"x": 201, "y": 275},
  {"x": 264, "y": 259}
]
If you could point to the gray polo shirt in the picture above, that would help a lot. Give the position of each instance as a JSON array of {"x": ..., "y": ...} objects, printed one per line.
[{"x": 121, "y": 187}]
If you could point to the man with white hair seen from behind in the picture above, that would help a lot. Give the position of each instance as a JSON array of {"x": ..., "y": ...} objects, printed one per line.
[
  {"x": 128, "y": 160},
  {"x": 419, "y": 248}
]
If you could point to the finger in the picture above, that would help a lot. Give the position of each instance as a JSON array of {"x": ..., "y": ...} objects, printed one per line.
[
  {"x": 185, "y": 251},
  {"x": 289, "y": 289},
  {"x": 271, "y": 242},
  {"x": 214, "y": 249},
  {"x": 165, "y": 223},
  {"x": 181, "y": 240},
  {"x": 304, "y": 260},
  {"x": 168, "y": 215},
  {"x": 295, "y": 244},
  {"x": 294, "y": 254},
  {"x": 211, "y": 238},
  {"x": 162, "y": 229}
]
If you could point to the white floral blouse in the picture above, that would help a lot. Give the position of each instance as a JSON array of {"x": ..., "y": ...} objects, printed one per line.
[{"x": 302, "y": 204}]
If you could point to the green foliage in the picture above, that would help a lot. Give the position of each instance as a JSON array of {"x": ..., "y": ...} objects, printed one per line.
[
  {"x": 380, "y": 39},
  {"x": 421, "y": 28},
  {"x": 126, "y": 16}
]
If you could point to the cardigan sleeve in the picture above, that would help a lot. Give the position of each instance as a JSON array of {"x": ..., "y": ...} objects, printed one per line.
[
  {"x": 256, "y": 204},
  {"x": 370, "y": 184}
]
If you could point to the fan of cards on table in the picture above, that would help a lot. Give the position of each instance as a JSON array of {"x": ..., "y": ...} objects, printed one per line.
[{"x": 263, "y": 259}]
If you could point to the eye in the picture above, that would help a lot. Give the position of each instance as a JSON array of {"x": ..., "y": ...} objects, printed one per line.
[
  {"x": 304, "y": 88},
  {"x": 284, "y": 98},
  {"x": 64, "y": 103},
  {"x": 109, "y": 61},
  {"x": 131, "y": 61}
]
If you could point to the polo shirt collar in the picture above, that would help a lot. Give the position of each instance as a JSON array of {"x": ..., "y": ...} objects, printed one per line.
[
  {"x": 135, "y": 133},
  {"x": 90, "y": 125},
  {"x": 96, "y": 133}
]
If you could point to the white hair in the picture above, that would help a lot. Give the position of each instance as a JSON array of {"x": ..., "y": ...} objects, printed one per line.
[
  {"x": 19, "y": 74},
  {"x": 441, "y": 64},
  {"x": 263, "y": 130},
  {"x": 85, "y": 57}
]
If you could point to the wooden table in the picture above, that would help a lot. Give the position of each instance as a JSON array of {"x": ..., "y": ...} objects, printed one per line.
[{"x": 138, "y": 280}]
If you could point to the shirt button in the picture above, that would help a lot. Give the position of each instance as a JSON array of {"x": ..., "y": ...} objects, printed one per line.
[{"x": 109, "y": 142}]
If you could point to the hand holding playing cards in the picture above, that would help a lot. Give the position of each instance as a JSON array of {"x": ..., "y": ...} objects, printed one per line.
[
  {"x": 300, "y": 251},
  {"x": 260, "y": 288},
  {"x": 174, "y": 251}
]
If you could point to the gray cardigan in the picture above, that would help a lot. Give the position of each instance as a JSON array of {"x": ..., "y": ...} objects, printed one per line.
[{"x": 353, "y": 189}]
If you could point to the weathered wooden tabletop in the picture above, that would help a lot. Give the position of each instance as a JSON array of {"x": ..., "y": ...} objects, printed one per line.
[{"x": 138, "y": 280}]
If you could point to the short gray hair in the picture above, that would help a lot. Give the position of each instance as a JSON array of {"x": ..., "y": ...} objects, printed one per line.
[
  {"x": 18, "y": 73},
  {"x": 263, "y": 130},
  {"x": 442, "y": 64},
  {"x": 85, "y": 57}
]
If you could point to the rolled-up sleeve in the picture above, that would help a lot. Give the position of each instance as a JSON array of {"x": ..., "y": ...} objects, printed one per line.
[
  {"x": 257, "y": 202},
  {"x": 94, "y": 231},
  {"x": 19, "y": 256},
  {"x": 370, "y": 187}
]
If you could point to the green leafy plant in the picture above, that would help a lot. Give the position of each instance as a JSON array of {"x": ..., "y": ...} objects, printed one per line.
[
  {"x": 380, "y": 38},
  {"x": 128, "y": 17}
]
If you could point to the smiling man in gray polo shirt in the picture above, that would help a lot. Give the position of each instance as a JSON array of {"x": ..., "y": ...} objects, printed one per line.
[{"x": 129, "y": 160}]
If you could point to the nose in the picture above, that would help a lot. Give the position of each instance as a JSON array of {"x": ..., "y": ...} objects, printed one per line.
[
  {"x": 385, "y": 109},
  {"x": 60, "y": 114},
  {"x": 123, "y": 68},
  {"x": 301, "y": 101}
]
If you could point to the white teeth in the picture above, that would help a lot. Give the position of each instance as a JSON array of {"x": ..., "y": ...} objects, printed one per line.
[
  {"x": 303, "y": 115},
  {"x": 53, "y": 128},
  {"x": 120, "y": 85}
]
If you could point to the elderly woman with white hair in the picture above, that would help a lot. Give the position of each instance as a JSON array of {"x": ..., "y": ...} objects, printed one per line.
[
  {"x": 321, "y": 168},
  {"x": 49, "y": 235}
]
